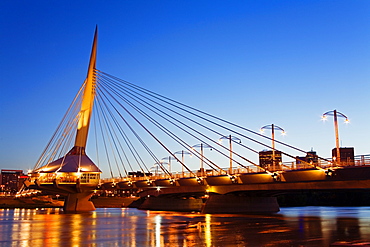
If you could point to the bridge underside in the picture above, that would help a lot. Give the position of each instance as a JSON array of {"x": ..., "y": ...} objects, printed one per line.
[
  {"x": 258, "y": 197},
  {"x": 255, "y": 199},
  {"x": 267, "y": 189}
]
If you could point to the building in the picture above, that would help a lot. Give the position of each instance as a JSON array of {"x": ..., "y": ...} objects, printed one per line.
[
  {"x": 11, "y": 180},
  {"x": 311, "y": 158},
  {"x": 266, "y": 160},
  {"x": 347, "y": 155}
]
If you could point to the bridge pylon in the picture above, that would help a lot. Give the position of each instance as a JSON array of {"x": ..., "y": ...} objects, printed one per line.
[{"x": 74, "y": 175}]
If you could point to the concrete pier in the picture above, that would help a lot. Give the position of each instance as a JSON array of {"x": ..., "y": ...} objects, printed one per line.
[{"x": 78, "y": 202}]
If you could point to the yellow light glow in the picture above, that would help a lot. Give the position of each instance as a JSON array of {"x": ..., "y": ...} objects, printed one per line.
[
  {"x": 207, "y": 231},
  {"x": 158, "y": 221}
]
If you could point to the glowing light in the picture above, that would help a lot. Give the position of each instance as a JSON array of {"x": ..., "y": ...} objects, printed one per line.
[
  {"x": 207, "y": 231},
  {"x": 158, "y": 220}
]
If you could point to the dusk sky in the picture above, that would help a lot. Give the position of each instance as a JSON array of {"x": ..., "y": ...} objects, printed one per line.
[{"x": 250, "y": 62}]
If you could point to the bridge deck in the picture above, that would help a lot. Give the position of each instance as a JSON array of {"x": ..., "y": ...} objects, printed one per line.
[{"x": 339, "y": 178}]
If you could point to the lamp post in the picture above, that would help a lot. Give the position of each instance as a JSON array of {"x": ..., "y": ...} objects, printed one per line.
[
  {"x": 168, "y": 163},
  {"x": 273, "y": 127},
  {"x": 202, "y": 146},
  {"x": 156, "y": 168},
  {"x": 335, "y": 114},
  {"x": 231, "y": 139},
  {"x": 183, "y": 153}
]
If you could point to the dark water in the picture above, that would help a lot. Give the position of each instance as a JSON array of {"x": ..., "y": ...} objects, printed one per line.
[{"x": 300, "y": 226}]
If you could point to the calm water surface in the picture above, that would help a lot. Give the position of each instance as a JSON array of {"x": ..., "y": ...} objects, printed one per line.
[{"x": 300, "y": 226}]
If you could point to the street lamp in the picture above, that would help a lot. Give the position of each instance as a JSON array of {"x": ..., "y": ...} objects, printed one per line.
[
  {"x": 168, "y": 163},
  {"x": 202, "y": 146},
  {"x": 273, "y": 127},
  {"x": 231, "y": 139},
  {"x": 156, "y": 168},
  {"x": 336, "y": 114},
  {"x": 183, "y": 153}
]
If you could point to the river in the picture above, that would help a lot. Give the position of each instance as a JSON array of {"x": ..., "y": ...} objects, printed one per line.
[{"x": 293, "y": 226}]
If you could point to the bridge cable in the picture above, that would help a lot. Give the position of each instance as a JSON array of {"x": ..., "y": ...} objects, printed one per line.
[
  {"x": 110, "y": 139},
  {"x": 52, "y": 146},
  {"x": 185, "y": 130},
  {"x": 118, "y": 128},
  {"x": 163, "y": 129},
  {"x": 220, "y": 134},
  {"x": 137, "y": 136},
  {"x": 144, "y": 90},
  {"x": 207, "y": 114}
]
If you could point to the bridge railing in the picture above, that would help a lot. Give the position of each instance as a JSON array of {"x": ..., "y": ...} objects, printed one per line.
[{"x": 360, "y": 160}]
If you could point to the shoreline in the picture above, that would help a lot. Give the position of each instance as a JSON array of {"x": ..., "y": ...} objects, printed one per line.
[{"x": 11, "y": 202}]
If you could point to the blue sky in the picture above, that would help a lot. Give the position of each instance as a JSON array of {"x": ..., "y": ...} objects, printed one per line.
[{"x": 251, "y": 62}]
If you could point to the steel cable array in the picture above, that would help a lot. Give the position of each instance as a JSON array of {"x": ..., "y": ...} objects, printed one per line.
[{"x": 132, "y": 125}]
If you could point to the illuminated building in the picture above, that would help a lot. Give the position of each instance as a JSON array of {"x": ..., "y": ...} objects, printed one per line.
[
  {"x": 347, "y": 155},
  {"x": 311, "y": 158},
  {"x": 11, "y": 180},
  {"x": 266, "y": 160}
]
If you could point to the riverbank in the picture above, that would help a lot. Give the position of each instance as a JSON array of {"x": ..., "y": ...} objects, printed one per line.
[
  {"x": 30, "y": 202},
  {"x": 47, "y": 202}
]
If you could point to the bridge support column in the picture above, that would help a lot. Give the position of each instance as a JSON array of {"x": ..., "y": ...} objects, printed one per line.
[
  {"x": 240, "y": 204},
  {"x": 172, "y": 204},
  {"x": 78, "y": 202}
]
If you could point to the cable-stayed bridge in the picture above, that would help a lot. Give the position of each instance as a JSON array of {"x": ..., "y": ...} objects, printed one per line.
[{"x": 179, "y": 157}]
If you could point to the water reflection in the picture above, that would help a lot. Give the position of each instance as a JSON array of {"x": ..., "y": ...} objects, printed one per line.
[{"x": 306, "y": 226}]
